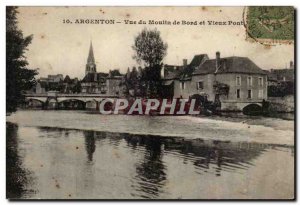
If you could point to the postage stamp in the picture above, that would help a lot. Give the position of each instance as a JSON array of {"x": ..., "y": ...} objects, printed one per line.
[{"x": 270, "y": 24}]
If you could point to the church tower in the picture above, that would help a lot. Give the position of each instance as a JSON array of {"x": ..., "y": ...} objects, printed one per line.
[{"x": 90, "y": 65}]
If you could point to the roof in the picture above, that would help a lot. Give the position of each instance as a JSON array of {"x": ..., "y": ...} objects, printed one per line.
[
  {"x": 172, "y": 75},
  {"x": 283, "y": 71},
  {"x": 115, "y": 74},
  {"x": 172, "y": 71},
  {"x": 184, "y": 72},
  {"x": 118, "y": 77},
  {"x": 67, "y": 79},
  {"x": 271, "y": 76},
  {"x": 90, "y": 77},
  {"x": 229, "y": 65},
  {"x": 281, "y": 74},
  {"x": 197, "y": 61}
]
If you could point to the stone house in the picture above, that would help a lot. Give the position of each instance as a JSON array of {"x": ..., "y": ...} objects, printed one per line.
[
  {"x": 64, "y": 85},
  {"x": 94, "y": 83},
  {"x": 113, "y": 83},
  {"x": 40, "y": 87},
  {"x": 169, "y": 73},
  {"x": 52, "y": 78},
  {"x": 235, "y": 82},
  {"x": 102, "y": 83}
]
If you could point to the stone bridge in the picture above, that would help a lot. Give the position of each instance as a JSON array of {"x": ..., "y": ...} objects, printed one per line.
[
  {"x": 53, "y": 100},
  {"x": 231, "y": 105},
  {"x": 60, "y": 100}
]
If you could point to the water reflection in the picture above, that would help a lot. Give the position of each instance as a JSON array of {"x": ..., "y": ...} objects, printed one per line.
[
  {"x": 90, "y": 146},
  {"x": 151, "y": 170},
  {"x": 17, "y": 178},
  {"x": 127, "y": 165}
]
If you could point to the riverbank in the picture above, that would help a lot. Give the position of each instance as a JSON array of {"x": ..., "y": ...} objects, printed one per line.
[
  {"x": 259, "y": 129},
  {"x": 281, "y": 121}
]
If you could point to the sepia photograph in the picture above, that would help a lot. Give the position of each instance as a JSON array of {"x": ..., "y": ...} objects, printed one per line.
[{"x": 150, "y": 103}]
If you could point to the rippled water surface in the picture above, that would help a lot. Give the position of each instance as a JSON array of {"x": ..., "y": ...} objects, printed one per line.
[{"x": 54, "y": 156}]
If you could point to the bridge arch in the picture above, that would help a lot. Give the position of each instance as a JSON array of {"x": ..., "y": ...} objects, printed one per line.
[
  {"x": 71, "y": 103},
  {"x": 41, "y": 99},
  {"x": 34, "y": 103},
  {"x": 92, "y": 104},
  {"x": 252, "y": 109}
]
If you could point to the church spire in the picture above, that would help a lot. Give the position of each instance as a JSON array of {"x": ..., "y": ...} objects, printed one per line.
[
  {"x": 91, "y": 58},
  {"x": 90, "y": 65}
]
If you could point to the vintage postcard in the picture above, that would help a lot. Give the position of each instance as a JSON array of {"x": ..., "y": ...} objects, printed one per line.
[{"x": 150, "y": 103}]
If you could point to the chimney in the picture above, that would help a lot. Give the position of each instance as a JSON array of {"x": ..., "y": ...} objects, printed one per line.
[
  {"x": 291, "y": 64},
  {"x": 217, "y": 60},
  {"x": 184, "y": 62}
]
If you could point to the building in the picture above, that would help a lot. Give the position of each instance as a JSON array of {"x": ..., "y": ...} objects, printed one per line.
[
  {"x": 100, "y": 82},
  {"x": 170, "y": 73},
  {"x": 235, "y": 82},
  {"x": 51, "y": 82},
  {"x": 52, "y": 78},
  {"x": 281, "y": 82},
  {"x": 71, "y": 85},
  {"x": 40, "y": 87},
  {"x": 277, "y": 76},
  {"x": 58, "y": 83},
  {"x": 133, "y": 83},
  {"x": 55, "y": 78}
]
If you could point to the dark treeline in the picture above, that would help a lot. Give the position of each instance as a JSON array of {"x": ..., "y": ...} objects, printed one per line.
[{"x": 18, "y": 76}]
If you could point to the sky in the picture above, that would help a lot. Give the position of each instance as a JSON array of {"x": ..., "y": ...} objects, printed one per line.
[{"x": 59, "y": 47}]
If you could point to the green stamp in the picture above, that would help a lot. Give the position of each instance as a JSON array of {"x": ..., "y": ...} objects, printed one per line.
[{"x": 270, "y": 23}]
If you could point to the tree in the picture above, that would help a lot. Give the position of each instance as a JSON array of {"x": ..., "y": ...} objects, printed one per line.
[
  {"x": 76, "y": 88},
  {"x": 150, "y": 49},
  {"x": 18, "y": 77},
  {"x": 281, "y": 90}
]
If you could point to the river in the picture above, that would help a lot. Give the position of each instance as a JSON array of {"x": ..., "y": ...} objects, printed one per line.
[{"x": 80, "y": 155}]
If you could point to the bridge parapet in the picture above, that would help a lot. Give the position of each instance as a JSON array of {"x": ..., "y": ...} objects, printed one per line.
[
  {"x": 36, "y": 95},
  {"x": 52, "y": 94},
  {"x": 70, "y": 95}
]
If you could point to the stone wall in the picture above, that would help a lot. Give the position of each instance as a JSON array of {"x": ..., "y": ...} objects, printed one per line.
[{"x": 282, "y": 104}]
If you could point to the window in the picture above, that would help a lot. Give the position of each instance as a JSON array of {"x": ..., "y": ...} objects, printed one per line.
[
  {"x": 249, "y": 93},
  {"x": 238, "y": 93},
  {"x": 260, "y": 94},
  {"x": 260, "y": 81},
  {"x": 238, "y": 80},
  {"x": 182, "y": 85},
  {"x": 200, "y": 85},
  {"x": 249, "y": 81}
]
